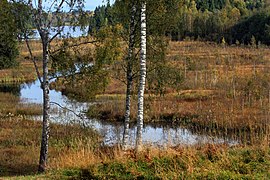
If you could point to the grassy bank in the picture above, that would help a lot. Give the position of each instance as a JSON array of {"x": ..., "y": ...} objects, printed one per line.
[
  {"x": 207, "y": 162},
  {"x": 70, "y": 146},
  {"x": 75, "y": 153}
]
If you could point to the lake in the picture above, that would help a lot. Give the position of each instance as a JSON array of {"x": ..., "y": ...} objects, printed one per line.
[{"x": 68, "y": 31}]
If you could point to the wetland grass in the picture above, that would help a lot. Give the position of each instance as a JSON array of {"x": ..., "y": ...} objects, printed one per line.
[
  {"x": 76, "y": 153},
  {"x": 20, "y": 141},
  {"x": 225, "y": 91},
  {"x": 220, "y": 95},
  {"x": 196, "y": 162},
  {"x": 10, "y": 105}
]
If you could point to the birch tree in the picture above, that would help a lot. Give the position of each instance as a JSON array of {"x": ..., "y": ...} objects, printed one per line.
[
  {"x": 49, "y": 20},
  {"x": 160, "y": 18},
  {"x": 126, "y": 13},
  {"x": 129, "y": 75},
  {"x": 142, "y": 79}
]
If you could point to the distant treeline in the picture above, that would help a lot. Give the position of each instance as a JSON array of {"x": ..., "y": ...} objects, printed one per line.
[{"x": 236, "y": 21}]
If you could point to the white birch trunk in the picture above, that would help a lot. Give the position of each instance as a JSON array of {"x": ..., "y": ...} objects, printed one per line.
[
  {"x": 142, "y": 79},
  {"x": 46, "y": 105},
  {"x": 129, "y": 77},
  {"x": 43, "y": 25}
]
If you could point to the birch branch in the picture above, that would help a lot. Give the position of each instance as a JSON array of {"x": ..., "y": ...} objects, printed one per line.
[
  {"x": 33, "y": 59},
  {"x": 73, "y": 45}
]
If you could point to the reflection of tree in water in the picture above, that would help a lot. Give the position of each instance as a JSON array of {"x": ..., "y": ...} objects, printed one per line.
[
  {"x": 14, "y": 89},
  {"x": 72, "y": 112}
]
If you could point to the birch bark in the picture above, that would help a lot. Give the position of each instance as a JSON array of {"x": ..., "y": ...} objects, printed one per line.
[
  {"x": 43, "y": 23},
  {"x": 46, "y": 105},
  {"x": 130, "y": 59},
  {"x": 142, "y": 79},
  {"x": 43, "y": 30}
]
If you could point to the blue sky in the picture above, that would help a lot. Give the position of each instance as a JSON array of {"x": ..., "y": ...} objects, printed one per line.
[{"x": 92, "y": 4}]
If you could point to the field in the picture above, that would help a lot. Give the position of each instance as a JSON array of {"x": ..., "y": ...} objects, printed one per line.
[{"x": 224, "y": 92}]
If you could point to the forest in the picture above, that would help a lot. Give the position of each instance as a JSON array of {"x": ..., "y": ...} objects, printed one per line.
[
  {"x": 135, "y": 89},
  {"x": 234, "y": 20}
]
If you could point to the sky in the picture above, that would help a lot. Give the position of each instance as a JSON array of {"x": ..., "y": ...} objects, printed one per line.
[{"x": 92, "y": 4}]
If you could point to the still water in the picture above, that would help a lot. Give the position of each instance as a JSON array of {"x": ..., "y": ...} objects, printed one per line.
[
  {"x": 74, "y": 112},
  {"x": 158, "y": 135},
  {"x": 68, "y": 31}
]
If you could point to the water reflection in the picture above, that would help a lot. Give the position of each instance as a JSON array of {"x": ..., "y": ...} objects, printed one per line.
[
  {"x": 154, "y": 134},
  {"x": 68, "y": 31}
]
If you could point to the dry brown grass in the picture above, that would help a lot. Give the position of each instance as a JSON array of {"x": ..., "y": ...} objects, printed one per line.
[
  {"x": 19, "y": 152},
  {"x": 26, "y": 72},
  {"x": 10, "y": 105},
  {"x": 81, "y": 158},
  {"x": 225, "y": 89},
  {"x": 70, "y": 146},
  {"x": 73, "y": 149}
]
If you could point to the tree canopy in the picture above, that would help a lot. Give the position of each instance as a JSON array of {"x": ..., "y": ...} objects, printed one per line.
[
  {"x": 198, "y": 19},
  {"x": 8, "y": 30}
]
